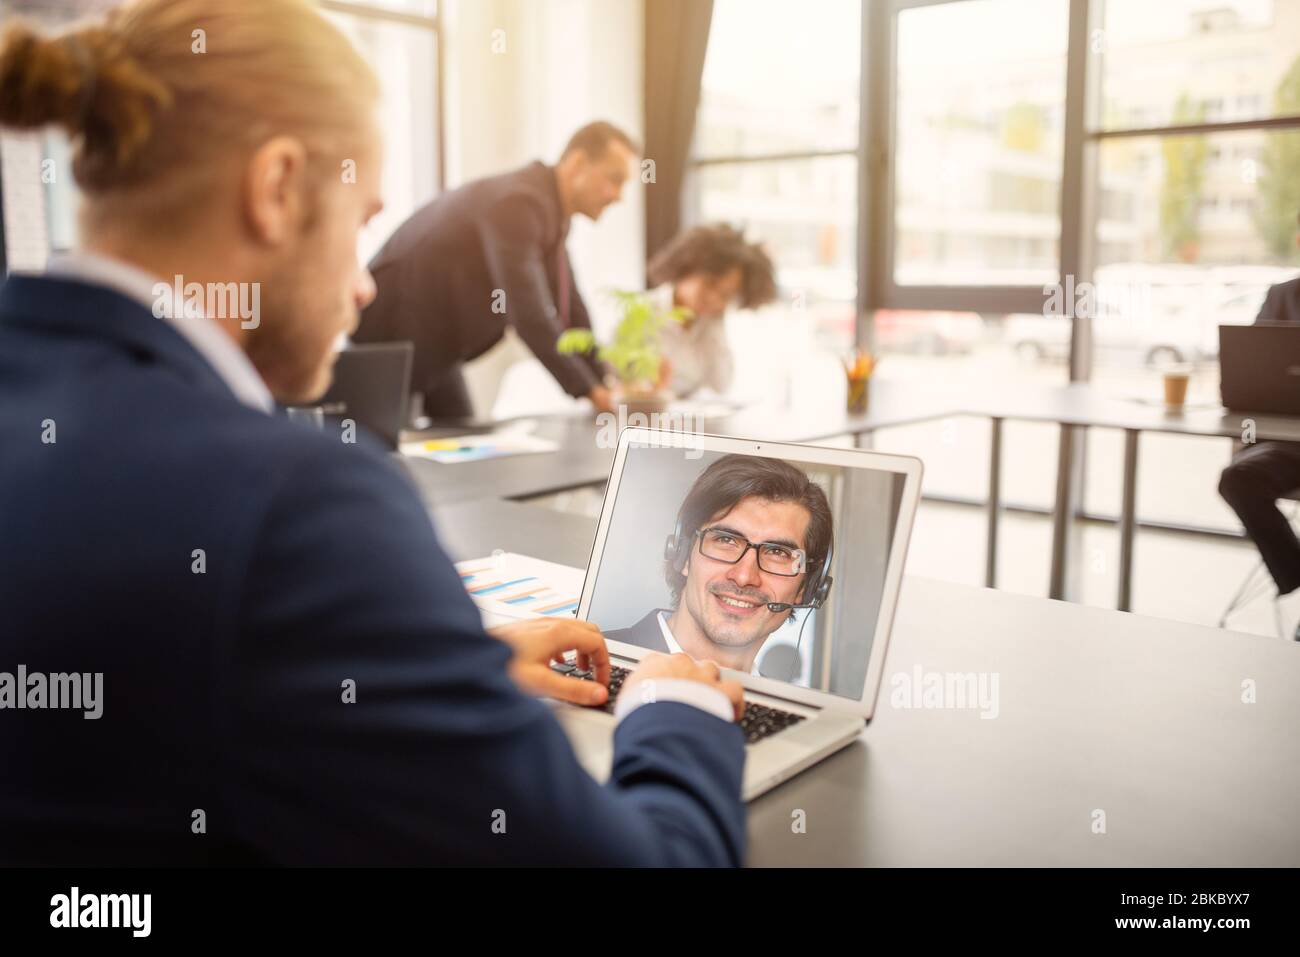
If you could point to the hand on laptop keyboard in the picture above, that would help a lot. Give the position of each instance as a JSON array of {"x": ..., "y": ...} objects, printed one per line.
[
  {"x": 537, "y": 642},
  {"x": 684, "y": 667},
  {"x": 757, "y": 721},
  {"x": 656, "y": 665}
]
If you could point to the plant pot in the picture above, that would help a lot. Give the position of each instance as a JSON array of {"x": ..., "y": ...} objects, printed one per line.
[{"x": 645, "y": 401}]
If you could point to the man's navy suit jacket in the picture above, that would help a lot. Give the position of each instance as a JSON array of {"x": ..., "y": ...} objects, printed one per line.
[{"x": 231, "y": 574}]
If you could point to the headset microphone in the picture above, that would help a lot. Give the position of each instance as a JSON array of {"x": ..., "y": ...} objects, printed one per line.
[
  {"x": 779, "y": 606},
  {"x": 820, "y": 588}
]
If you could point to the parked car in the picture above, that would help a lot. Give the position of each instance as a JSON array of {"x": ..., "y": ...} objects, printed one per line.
[
  {"x": 1156, "y": 314},
  {"x": 927, "y": 333}
]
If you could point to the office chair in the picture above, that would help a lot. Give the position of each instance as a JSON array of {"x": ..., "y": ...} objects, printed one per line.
[{"x": 1258, "y": 582}]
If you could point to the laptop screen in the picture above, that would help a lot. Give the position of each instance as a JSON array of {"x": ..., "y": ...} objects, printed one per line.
[{"x": 720, "y": 555}]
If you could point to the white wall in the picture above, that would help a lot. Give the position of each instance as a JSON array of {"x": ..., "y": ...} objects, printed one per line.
[{"x": 26, "y": 225}]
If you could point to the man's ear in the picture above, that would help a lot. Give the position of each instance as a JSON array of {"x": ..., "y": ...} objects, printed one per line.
[{"x": 275, "y": 190}]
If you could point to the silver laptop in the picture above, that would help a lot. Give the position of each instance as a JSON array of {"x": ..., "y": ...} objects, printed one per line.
[{"x": 782, "y": 563}]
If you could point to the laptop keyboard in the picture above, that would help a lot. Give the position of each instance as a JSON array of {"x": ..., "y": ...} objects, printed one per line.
[{"x": 758, "y": 721}]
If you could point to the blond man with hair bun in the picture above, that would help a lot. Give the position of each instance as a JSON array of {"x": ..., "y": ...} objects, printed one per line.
[{"x": 282, "y": 642}]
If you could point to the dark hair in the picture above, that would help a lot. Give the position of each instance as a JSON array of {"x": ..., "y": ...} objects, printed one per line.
[
  {"x": 734, "y": 477},
  {"x": 717, "y": 249},
  {"x": 594, "y": 138}
]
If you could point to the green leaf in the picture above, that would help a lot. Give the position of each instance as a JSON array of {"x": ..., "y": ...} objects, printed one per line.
[
  {"x": 573, "y": 341},
  {"x": 634, "y": 351}
]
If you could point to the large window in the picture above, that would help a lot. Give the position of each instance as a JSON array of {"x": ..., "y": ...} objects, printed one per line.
[
  {"x": 970, "y": 103},
  {"x": 1197, "y": 139},
  {"x": 1149, "y": 148},
  {"x": 402, "y": 48},
  {"x": 979, "y": 127},
  {"x": 399, "y": 38},
  {"x": 776, "y": 153}
]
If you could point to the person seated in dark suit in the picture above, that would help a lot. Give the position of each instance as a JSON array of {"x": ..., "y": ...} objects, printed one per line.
[
  {"x": 489, "y": 256},
  {"x": 1262, "y": 473},
  {"x": 750, "y": 531},
  {"x": 286, "y": 667}
]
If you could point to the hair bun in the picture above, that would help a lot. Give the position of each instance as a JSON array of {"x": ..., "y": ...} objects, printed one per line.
[
  {"x": 40, "y": 81},
  {"x": 86, "y": 82}
]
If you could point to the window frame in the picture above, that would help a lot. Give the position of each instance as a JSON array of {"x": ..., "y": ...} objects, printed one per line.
[
  {"x": 1083, "y": 137},
  {"x": 435, "y": 28},
  {"x": 1079, "y": 244},
  {"x": 437, "y": 31},
  {"x": 696, "y": 163}
]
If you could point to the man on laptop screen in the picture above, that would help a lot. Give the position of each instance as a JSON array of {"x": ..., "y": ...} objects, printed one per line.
[
  {"x": 736, "y": 552},
  {"x": 750, "y": 536}
]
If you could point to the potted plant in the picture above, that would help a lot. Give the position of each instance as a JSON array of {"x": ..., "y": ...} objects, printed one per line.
[{"x": 634, "y": 352}]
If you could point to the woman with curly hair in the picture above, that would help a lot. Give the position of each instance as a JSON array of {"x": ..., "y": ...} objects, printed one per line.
[{"x": 706, "y": 270}]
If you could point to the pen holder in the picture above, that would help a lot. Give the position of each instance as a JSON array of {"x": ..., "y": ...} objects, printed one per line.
[{"x": 859, "y": 395}]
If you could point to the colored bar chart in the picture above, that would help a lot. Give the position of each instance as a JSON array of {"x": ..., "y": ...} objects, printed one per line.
[{"x": 515, "y": 586}]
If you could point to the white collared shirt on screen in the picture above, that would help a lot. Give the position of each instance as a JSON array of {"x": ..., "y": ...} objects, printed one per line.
[{"x": 676, "y": 649}]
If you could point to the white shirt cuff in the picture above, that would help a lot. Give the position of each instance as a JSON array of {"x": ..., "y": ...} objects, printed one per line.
[{"x": 694, "y": 693}]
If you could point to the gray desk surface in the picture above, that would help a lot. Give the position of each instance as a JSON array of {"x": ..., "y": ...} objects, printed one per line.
[
  {"x": 580, "y": 460},
  {"x": 584, "y": 460},
  {"x": 1098, "y": 710},
  {"x": 586, "y": 450},
  {"x": 1084, "y": 405}
]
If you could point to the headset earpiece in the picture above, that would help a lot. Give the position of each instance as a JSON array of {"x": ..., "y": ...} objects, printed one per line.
[
  {"x": 822, "y": 589},
  {"x": 674, "y": 554}
]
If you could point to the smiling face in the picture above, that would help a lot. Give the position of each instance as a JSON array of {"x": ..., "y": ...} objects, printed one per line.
[
  {"x": 726, "y": 605},
  {"x": 589, "y": 184}
]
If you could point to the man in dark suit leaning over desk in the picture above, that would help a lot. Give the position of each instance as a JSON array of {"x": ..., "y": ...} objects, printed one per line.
[
  {"x": 1261, "y": 474},
  {"x": 489, "y": 256},
  {"x": 236, "y": 638}
]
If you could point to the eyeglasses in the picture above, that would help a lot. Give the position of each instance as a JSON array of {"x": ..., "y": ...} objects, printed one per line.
[{"x": 723, "y": 545}]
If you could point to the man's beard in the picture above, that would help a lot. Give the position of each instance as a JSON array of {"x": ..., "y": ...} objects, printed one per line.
[
  {"x": 286, "y": 350},
  {"x": 720, "y": 638}
]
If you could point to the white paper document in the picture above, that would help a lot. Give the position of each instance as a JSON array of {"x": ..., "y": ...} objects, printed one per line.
[{"x": 510, "y": 587}]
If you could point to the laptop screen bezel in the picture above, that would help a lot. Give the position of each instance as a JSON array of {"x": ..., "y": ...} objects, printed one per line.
[{"x": 909, "y": 467}]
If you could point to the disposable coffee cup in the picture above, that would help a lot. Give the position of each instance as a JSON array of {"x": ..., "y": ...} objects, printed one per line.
[{"x": 1176, "y": 388}]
